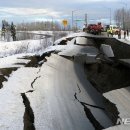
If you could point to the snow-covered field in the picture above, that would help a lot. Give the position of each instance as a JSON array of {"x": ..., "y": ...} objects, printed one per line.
[
  {"x": 26, "y": 46},
  {"x": 33, "y": 46},
  {"x": 12, "y": 53}
]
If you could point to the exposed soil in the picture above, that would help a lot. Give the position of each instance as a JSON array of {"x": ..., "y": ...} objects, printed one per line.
[
  {"x": 106, "y": 77},
  {"x": 4, "y": 74},
  {"x": 28, "y": 115},
  {"x": 36, "y": 61},
  {"x": 111, "y": 110}
]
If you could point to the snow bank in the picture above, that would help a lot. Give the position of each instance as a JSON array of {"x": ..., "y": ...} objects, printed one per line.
[
  {"x": 125, "y": 40},
  {"x": 27, "y": 46},
  {"x": 14, "y": 61}
]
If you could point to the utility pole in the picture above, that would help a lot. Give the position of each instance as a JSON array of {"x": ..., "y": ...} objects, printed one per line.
[
  {"x": 110, "y": 16},
  {"x": 86, "y": 19},
  {"x": 52, "y": 24},
  {"x": 123, "y": 18},
  {"x": 72, "y": 19}
]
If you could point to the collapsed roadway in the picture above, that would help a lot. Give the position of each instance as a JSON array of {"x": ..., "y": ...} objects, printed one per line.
[{"x": 67, "y": 91}]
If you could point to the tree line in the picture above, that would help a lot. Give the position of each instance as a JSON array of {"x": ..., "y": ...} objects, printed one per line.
[
  {"x": 44, "y": 26},
  {"x": 7, "y": 30},
  {"x": 122, "y": 18}
]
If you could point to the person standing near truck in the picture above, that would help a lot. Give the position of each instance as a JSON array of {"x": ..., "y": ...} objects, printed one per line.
[
  {"x": 124, "y": 34},
  {"x": 127, "y": 31},
  {"x": 119, "y": 34},
  {"x": 108, "y": 32},
  {"x": 111, "y": 32}
]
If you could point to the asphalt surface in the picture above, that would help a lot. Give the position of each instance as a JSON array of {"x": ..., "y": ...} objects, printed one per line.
[
  {"x": 62, "y": 97},
  {"x": 58, "y": 95},
  {"x": 75, "y": 50}
]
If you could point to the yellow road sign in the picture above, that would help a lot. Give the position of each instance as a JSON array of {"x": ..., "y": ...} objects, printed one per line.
[{"x": 65, "y": 22}]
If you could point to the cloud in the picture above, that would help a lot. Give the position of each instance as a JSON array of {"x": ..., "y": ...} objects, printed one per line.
[
  {"x": 102, "y": 20},
  {"x": 90, "y": 1},
  {"x": 30, "y": 11},
  {"x": 40, "y": 10}
]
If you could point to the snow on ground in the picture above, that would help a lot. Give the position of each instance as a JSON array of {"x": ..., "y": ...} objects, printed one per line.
[
  {"x": 27, "y": 46},
  {"x": 30, "y": 46},
  {"x": 38, "y": 32},
  {"x": 12, "y": 108},
  {"x": 125, "y": 40},
  {"x": 47, "y": 32},
  {"x": 71, "y": 35},
  {"x": 59, "y": 48},
  {"x": 11, "y": 53},
  {"x": 14, "y": 61}
]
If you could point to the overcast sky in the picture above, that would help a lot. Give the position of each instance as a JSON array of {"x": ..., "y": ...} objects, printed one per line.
[{"x": 37, "y": 10}]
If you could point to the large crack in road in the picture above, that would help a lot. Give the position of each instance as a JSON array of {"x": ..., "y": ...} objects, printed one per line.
[
  {"x": 28, "y": 115},
  {"x": 89, "y": 114},
  {"x": 34, "y": 81}
]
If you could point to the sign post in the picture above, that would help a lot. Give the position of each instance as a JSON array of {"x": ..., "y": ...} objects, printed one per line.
[{"x": 65, "y": 23}]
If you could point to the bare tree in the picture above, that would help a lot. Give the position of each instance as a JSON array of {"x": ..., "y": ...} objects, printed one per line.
[
  {"x": 122, "y": 18},
  {"x": 35, "y": 26}
]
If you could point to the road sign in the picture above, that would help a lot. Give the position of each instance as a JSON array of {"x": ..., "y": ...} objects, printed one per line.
[
  {"x": 78, "y": 20},
  {"x": 65, "y": 22}
]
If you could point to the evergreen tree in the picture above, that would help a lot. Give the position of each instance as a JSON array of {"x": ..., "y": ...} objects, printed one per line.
[
  {"x": 3, "y": 30},
  {"x": 13, "y": 31}
]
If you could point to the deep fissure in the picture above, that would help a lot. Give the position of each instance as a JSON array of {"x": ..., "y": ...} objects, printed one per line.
[
  {"x": 75, "y": 95},
  {"x": 89, "y": 115},
  {"x": 37, "y": 61},
  {"x": 102, "y": 77},
  {"x": 28, "y": 115},
  {"x": 4, "y": 74}
]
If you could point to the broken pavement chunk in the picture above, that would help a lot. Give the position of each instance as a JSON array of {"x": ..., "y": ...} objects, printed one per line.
[
  {"x": 81, "y": 40},
  {"x": 84, "y": 41},
  {"x": 107, "y": 50},
  {"x": 85, "y": 58}
]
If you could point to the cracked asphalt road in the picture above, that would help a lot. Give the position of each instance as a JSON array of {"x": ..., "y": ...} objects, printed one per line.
[
  {"x": 43, "y": 98},
  {"x": 55, "y": 96},
  {"x": 53, "y": 101}
]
